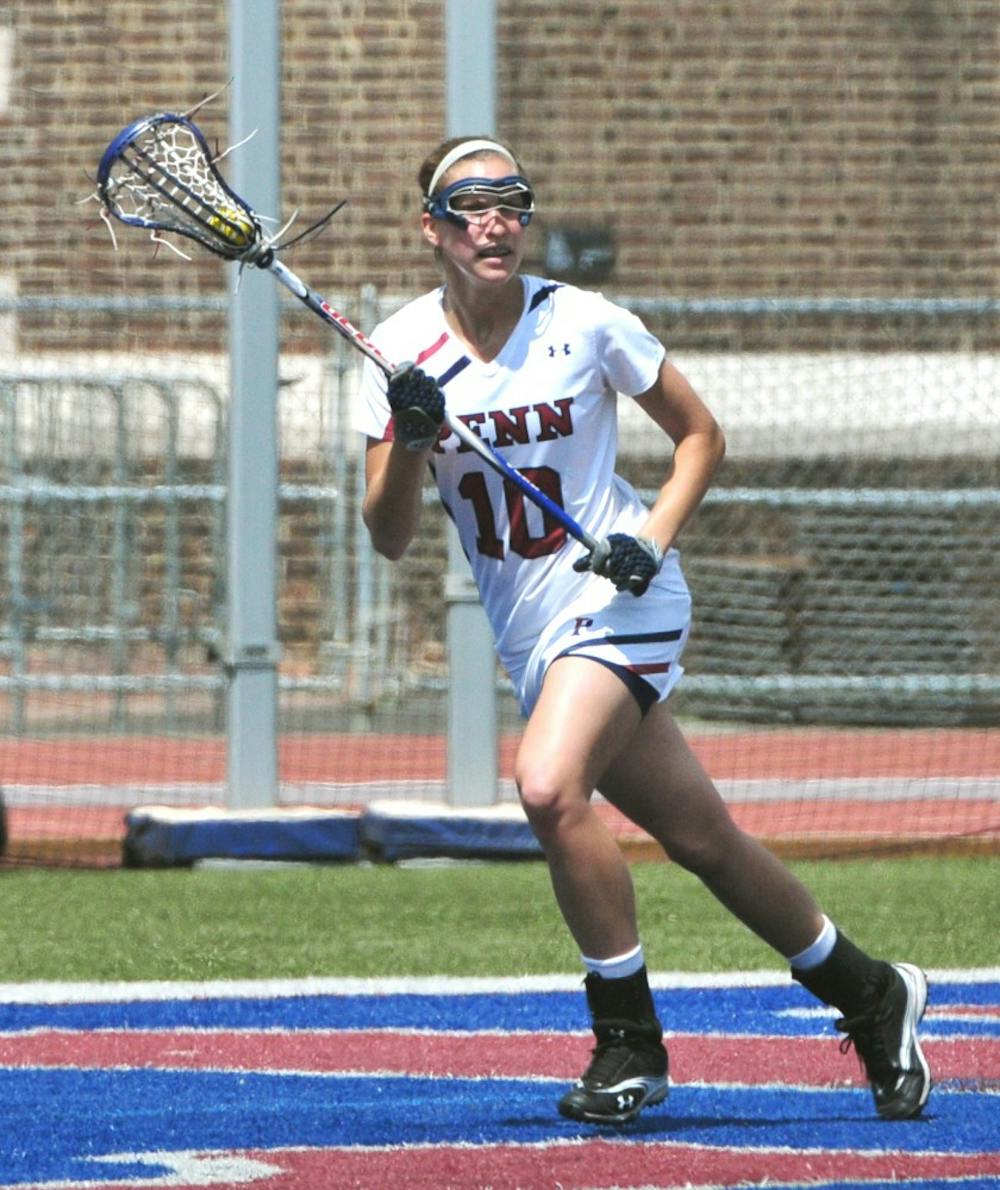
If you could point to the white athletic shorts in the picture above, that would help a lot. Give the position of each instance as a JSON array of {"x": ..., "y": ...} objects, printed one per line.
[{"x": 640, "y": 637}]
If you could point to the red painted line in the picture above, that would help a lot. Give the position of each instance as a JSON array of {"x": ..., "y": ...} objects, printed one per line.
[
  {"x": 596, "y": 1164},
  {"x": 742, "y": 1061}
]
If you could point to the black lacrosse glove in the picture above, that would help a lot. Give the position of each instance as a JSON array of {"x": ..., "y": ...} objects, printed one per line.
[
  {"x": 631, "y": 563},
  {"x": 417, "y": 406}
]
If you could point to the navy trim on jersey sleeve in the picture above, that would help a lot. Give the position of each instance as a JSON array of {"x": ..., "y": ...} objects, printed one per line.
[{"x": 540, "y": 296}]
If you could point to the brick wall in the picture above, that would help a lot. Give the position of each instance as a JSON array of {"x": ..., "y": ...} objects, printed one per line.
[
  {"x": 785, "y": 147},
  {"x": 779, "y": 147}
]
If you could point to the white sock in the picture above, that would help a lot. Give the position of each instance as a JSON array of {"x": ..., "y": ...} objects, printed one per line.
[
  {"x": 819, "y": 951},
  {"x": 618, "y": 967}
]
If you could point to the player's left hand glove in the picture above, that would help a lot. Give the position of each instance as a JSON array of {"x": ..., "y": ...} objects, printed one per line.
[
  {"x": 631, "y": 563},
  {"x": 417, "y": 406}
]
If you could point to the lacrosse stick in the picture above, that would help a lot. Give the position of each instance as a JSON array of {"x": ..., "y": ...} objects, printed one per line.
[{"x": 159, "y": 173}]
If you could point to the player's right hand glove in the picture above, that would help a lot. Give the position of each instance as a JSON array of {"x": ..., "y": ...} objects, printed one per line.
[
  {"x": 417, "y": 406},
  {"x": 631, "y": 563}
]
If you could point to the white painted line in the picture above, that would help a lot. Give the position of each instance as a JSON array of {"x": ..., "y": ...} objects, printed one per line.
[{"x": 429, "y": 985}]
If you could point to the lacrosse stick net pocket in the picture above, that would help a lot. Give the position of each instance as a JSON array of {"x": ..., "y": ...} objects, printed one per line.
[{"x": 159, "y": 173}]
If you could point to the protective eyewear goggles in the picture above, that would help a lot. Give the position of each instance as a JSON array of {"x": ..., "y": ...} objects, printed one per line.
[{"x": 471, "y": 200}]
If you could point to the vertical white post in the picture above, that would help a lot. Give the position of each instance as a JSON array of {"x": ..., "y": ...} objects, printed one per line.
[
  {"x": 472, "y": 711},
  {"x": 251, "y": 656}
]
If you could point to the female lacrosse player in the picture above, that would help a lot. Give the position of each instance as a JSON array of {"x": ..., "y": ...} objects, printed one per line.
[{"x": 592, "y": 641}]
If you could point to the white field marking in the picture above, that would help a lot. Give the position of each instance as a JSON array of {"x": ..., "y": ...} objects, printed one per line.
[
  {"x": 291, "y": 1072},
  {"x": 247, "y": 1171},
  {"x": 843, "y": 1083},
  {"x": 196, "y": 1033},
  {"x": 948, "y": 1013},
  {"x": 196, "y": 1169},
  {"x": 410, "y": 798},
  {"x": 207, "y": 1032},
  {"x": 430, "y": 985},
  {"x": 186, "y": 1169},
  {"x": 567, "y": 1142}
]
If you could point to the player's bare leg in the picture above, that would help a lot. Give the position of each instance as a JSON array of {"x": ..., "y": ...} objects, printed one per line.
[
  {"x": 659, "y": 784},
  {"x": 584, "y": 715}
]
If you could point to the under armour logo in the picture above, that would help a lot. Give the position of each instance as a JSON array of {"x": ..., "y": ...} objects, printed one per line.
[
  {"x": 626, "y": 1101},
  {"x": 553, "y": 350}
]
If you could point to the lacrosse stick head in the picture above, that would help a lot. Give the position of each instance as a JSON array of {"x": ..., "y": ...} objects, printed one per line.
[{"x": 159, "y": 173}]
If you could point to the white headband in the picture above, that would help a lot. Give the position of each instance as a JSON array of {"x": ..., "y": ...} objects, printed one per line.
[{"x": 466, "y": 149}]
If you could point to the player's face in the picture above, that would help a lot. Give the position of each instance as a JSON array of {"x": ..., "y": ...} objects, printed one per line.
[{"x": 489, "y": 249}]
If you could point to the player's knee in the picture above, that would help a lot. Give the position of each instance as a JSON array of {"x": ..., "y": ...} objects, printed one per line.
[{"x": 549, "y": 798}]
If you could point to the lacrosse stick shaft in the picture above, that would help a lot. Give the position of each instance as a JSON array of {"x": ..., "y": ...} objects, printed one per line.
[
  {"x": 320, "y": 306},
  {"x": 344, "y": 327},
  {"x": 536, "y": 495}
]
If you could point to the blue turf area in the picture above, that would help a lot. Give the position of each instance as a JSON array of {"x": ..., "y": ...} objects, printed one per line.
[
  {"x": 58, "y": 1123},
  {"x": 111, "y": 1112},
  {"x": 745, "y": 1010}
]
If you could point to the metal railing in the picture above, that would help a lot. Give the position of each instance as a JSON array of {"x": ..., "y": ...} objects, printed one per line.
[{"x": 362, "y": 611}]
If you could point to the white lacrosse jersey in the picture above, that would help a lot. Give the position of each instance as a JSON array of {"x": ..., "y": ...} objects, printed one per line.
[{"x": 548, "y": 404}]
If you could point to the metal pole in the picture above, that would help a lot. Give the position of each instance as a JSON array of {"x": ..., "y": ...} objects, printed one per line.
[
  {"x": 251, "y": 653},
  {"x": 472, "y": 700},
  {"x": 471, "y": 37}
]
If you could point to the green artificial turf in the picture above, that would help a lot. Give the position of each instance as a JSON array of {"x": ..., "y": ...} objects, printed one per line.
[{"x": 284, "y": 921}]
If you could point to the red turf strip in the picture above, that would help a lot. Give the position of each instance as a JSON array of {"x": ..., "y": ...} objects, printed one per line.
[
  {"x": 743, "y": 1061},
  {"x": 593, "y": 1163}
]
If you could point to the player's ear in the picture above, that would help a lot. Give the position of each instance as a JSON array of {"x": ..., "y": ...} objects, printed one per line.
[{"x": 429, "y": 226}]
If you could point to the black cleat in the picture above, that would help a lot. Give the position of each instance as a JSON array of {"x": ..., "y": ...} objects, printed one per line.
[
  {"x": 885, "y": 1038},
  {"x": 628, "y": 1071}
]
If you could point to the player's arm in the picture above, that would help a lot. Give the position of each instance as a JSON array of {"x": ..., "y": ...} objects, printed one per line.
[
  {"x": 394, "y": 480},
  {"x": 699, "y": 446},
  {"x": 631, "y": 563},
  {"x": 394, "y": 470}
]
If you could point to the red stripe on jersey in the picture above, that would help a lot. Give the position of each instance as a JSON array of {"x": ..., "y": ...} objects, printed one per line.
[
  {"x": 429, "y": 351},
  {"x": 659, "y": 668}
]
